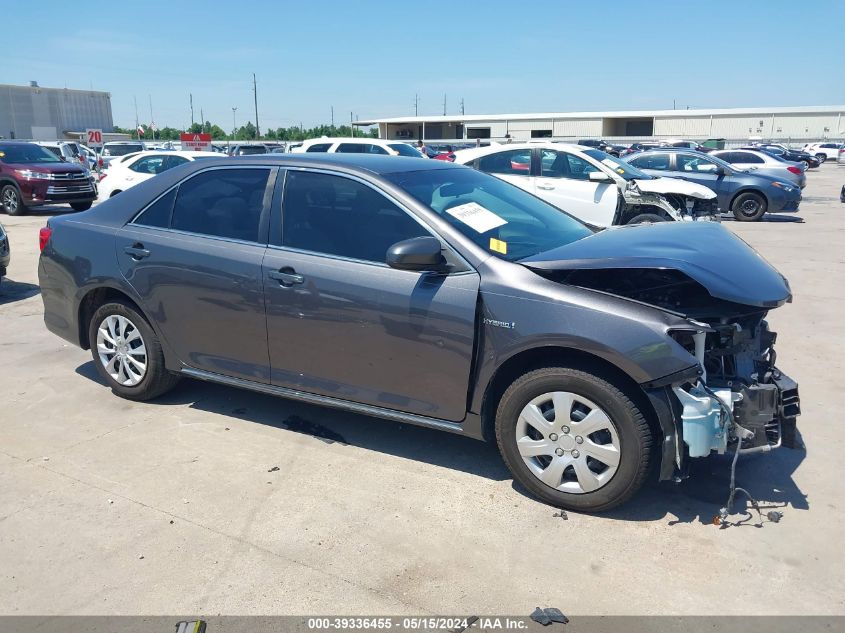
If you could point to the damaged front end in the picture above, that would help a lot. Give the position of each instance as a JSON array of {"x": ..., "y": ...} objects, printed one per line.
[
  {"x": 721, "y": 290},
  {"x": 681, "y": 202}
]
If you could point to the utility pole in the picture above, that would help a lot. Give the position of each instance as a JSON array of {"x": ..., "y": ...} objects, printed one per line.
[
  {"x": 351, "y": 127},
  {"x": 416, "y": 105},
  {"x": 202, "y": 123},
  {"x": 137, "y": 133},
  {"x": 332, "y": 117},
  {"x": 444, "y": 104},
  {"x": 234, "y": 124},
  {"x": 462, "y": 106},
  {"x": 255, "y": 90},
  {"x": 192, "y": 108},
  {"x": 152, "y": 120}
]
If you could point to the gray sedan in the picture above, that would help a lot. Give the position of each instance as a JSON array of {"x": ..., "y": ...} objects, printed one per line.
[
  {"x": 435, "y": 295},
  {"x": 766, "y": 164}
]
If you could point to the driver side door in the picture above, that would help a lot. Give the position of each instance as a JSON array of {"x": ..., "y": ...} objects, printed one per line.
[{"x": 564, "y": 181}]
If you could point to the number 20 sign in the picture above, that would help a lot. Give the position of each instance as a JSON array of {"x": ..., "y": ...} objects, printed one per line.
[{"x": 95, "y": 138}]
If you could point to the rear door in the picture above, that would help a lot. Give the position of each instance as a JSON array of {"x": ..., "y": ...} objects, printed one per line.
[
  {"x": 510, "y": 165},
  {"x": 341, "y": 323},
  {"x": 194, "y": 258},
  {"x": 564, "y": 181}
]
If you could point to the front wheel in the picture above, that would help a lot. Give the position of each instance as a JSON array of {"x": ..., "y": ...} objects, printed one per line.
[
  {"x": 821, "y": 158},
  {"x": 127, "y": 353},
  {"x": 645, "y": 218},
  {"x": 573, "y": 439},
  {"x": 10, "y": 200},
  {"x": 749, "y": 207},
  {"x": 80, "y": 206}
]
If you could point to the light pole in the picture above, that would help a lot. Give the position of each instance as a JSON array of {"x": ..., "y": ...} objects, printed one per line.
[{"x": 234, "y": 124}]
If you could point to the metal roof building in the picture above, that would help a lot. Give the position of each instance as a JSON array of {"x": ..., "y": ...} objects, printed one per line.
[
  {"x": 47, "y": 114},
  {"x": 810, "y": 123}
]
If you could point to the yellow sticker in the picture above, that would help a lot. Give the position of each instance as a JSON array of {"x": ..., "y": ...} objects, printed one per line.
[{"x": 499, "y": 246}]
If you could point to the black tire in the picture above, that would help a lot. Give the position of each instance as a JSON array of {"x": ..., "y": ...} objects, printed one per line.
[
  {"x": 643, "y": 218},
  {"x": 11, "y": 200},
  {"x": 749, "y": 207},
  {"x": 81, "y": 206},
  {"x": 635, "y": 436},
  {"x": 157, "y": 379}
]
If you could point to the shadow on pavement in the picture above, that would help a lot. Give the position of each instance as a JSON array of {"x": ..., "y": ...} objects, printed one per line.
[
  {"x": 11, "y": 291},
  {"x": 770, "y": 218},
  {"x": 697, "y": 499}
]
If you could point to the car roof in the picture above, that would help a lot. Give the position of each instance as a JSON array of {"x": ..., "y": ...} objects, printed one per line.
[
  {"x": 476, "y": 152},
  {"x": 371, "y": 163},
  {"x": 169, "y": 152}
]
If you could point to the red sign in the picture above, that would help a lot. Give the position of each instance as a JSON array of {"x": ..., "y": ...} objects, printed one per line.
[
  {"x": 95, "y": 138},
  {"x": 196, "y": 142}
]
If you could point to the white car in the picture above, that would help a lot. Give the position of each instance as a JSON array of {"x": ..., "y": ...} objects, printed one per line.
[
  {"x": 841, "y": 160},
  {"x": 68, "y": 151},
  {"x": 141, "y": 166},
  {"x": 764, "y": 163},
  {"x": 358, "y": 146},
  {"x": 823, "y": 151},
  {"x": 591, "y": 185}
]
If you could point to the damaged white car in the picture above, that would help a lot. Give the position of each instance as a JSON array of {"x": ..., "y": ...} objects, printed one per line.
[{"x": 593, "y": 186}]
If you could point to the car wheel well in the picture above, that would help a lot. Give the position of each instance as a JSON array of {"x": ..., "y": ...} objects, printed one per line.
[
  {"x": 747, "y": 190},
  {"x": 93, "y": 300},
  {"x": 540, "y": 357},
  {"x": 632, "y": 211},
  {"x": 114, "y": 193}
]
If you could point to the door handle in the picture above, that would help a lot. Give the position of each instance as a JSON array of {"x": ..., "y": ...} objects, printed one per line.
[
  {"x": 546, "y": 187},
  {"x": 286, "y": 277},
  {"x": 137, "y": 251}
]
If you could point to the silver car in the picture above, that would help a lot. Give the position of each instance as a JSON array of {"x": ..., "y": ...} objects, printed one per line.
[{"x": 764, "y": 163}]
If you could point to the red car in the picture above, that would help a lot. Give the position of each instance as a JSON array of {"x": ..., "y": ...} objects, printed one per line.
[{"x": 32, "y": 175}]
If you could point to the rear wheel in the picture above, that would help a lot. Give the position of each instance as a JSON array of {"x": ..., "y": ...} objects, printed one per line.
[
  {"x": 80, "y": 206},
  {"x": 10, "y": 200},
  {"x": 749, "y": 207},
  {"x": 573, "y": 439},
  {"x": 127, "y": 353}
]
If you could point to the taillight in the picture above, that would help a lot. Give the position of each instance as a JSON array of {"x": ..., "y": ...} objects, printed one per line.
[
  {"x": 794, "y": 170},
  {"x": 44, "y": 237},
  {"x": 100, "y": 162}
]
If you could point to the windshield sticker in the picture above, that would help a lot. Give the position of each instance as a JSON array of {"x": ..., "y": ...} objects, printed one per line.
[
  {"x": 498, "y": 246},
  {"x": 476, "y": 217}
]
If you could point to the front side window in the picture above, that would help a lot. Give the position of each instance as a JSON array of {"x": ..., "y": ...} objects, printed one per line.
[
  {"x": 171, "y": 161},
  {"x": 556, "y": 164},
  {"x": 319, "y": 147},
  {"x": 339, "y": 216},
  {"x": 222, "y": 203},
  {"x": 499, "y": 217},
  {"x": 148, "y": 165},
  {"x": 403, "y": 149},
  {"x": 696, "y": 164},
  {"x": 651, "y": 161},
  {"x": 516, "y": 162}
]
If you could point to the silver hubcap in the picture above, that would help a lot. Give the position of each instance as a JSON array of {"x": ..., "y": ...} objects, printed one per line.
[
  {"x": 568, "y": 442},
  {"x": 121, "y": 350},
  {"x": 10, "y": 200}
]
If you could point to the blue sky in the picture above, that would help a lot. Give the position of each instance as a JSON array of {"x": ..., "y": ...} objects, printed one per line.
[{"x": 372, "y": 57}]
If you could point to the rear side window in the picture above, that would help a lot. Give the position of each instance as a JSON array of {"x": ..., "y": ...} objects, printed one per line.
[
  {"x": 350, "y": 148},
  {"x": 222, "y": 203},
  {"x": 158, "y": 213},
  {"x": 652, "y": 161},
  {"x": 516, "y": 162},
  {"x": 319, "y": 147},
  {"x": 745, "y": 157}
]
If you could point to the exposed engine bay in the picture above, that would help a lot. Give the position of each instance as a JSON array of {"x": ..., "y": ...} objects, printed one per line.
[
  {"x": 636, "y": 200},
  {"x": 740, "y": 394}
]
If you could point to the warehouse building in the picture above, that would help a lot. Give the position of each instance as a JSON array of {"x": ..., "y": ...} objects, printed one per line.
[
  {"x": 48, "y": 114},
  {"x": 734, "y": 124}
]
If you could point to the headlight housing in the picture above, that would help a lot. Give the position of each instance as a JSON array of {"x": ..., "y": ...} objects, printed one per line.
[
  {"x": 29, "y": 174},
  {"x": 782, "y": 185}
]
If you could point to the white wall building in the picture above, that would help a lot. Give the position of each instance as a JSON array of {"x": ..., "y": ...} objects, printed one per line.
[{"x": 733, "y": 124}]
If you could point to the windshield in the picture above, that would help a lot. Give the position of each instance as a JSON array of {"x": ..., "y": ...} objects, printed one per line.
[
  {"x": 626, "y": 170},
  {"x": 500, "y": 218},
  {"x": 26, "y": 153},
  {"x": 122, "y": 149},
  {"x": 403, "y": 149}
]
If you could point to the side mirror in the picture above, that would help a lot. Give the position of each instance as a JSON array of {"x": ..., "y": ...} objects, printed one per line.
[
  {"x": 721, "y": 171},
  {"x": 422, "y": 254},
  {"x": 599, "y": 176}
]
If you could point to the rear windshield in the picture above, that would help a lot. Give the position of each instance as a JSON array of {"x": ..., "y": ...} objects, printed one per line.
[
  {"x": 122, "y": 149},
  {"x": 26, "y": 153},
  {"x": 403, "y": 149},
  {"x": 251, "y": 149}
]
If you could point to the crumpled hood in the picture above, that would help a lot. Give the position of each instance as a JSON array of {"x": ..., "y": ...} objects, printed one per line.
[
  {"x": 675, "y": 185},
  {"x": 708, "y": 253}
]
